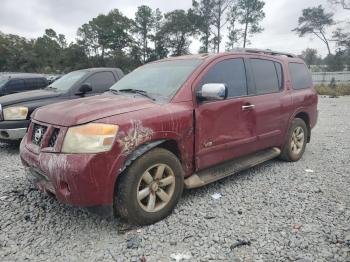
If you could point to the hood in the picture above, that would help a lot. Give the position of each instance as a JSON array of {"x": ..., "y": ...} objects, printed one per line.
[
  {"x": 27, "y": 97},
  {"x": 84, "y": 110}
]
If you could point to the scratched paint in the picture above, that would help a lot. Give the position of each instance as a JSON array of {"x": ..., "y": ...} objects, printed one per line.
[{"x": 136, "y": 135}]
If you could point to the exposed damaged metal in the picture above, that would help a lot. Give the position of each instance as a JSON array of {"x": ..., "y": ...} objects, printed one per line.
[{"x": 135, "y": 136}]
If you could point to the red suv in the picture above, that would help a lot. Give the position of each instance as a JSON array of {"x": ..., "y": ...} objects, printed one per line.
[{"x": 175, "y": 123}]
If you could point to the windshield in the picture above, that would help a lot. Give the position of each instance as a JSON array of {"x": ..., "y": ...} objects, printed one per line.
[
  {"x": 67, "y": 81},
  {"x": 162, "y": 78},
  {"x": 3, "y": 81}
]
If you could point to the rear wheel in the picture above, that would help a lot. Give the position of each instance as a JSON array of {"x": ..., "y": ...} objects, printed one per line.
[
  {"x": 151, "y": 187},
  {"x": 295, "y": 146}
]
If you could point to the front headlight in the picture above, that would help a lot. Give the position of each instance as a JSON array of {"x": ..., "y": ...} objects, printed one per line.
[
  {"x": 15, "y": 113},
  {"x": 89, "y": 138}
]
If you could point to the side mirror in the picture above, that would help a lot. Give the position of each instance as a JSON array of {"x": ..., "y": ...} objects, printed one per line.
[
  {"x": 85, "y": 88},
  {"x": 213, "y": 92}
]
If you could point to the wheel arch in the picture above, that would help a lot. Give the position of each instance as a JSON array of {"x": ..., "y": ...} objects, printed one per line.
[
  {"x": 305, "y": 117},
  {"x": 168, "y": 144}
]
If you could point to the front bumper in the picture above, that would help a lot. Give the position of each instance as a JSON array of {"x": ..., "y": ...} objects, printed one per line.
[
  {"x": 84, "y": 180},
  {"x": 13, "y": 130}
]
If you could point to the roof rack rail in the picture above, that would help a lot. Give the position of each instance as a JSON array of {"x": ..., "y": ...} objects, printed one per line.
[{"x": 262, "y": 51}]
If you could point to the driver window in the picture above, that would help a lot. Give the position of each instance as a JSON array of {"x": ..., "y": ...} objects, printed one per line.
[{"x": 230, "y": 72}]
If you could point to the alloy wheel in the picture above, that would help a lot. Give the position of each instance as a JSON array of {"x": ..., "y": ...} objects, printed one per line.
[
  {"x": 297, "y": 141},
  {"x": 156, "y": 188}
]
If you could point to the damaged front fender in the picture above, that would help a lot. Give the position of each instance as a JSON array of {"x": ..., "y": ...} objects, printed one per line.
[{"x": 139, "y": 152}]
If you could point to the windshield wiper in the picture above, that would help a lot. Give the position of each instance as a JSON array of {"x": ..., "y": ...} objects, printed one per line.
[
  {"x": 116, "y": 92},
  {"x": 137, "y": 91},
  {"x": 51, "y": 87}
]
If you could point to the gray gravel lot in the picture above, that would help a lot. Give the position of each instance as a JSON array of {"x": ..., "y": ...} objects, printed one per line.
[{"x": 274, "y": 212}]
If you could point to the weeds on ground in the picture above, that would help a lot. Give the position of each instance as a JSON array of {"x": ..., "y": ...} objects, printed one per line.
[{"x": 333, "y": 90}]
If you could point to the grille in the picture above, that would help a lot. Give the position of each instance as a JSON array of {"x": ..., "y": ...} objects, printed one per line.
[
  {"x": 53, "y": 138},
  {"x": 38, "y": 134}
]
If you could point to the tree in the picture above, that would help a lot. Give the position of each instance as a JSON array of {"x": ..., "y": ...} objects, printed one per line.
[
  {"x": 105, "y": 34},
  {"x": 144, "y": 24},
  {"x": 315, "y": 20},
  {"x": 234, "y": 33},
  {"x": 17, "y": 54},
  {"x": 345, "y": 4},
  {"x": 342, "y": 38},
  {"x": 177, "y": 29},
  {"x": 74, "y": 58},
  {"x": 311, "y": 57},
  {"x": 160, "y": 50},
  {"x": 48, "y": 51},
  {"x": 250, "y": 13},
  {"x": 335, "y": 62},
  {"x": 219, "y": 20},
  {"x": 3, "y": 51},
  {"x": 204, "y": 20}
]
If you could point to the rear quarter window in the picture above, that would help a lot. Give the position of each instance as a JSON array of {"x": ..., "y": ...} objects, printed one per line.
[
  {"x": 300, "y": 76},
  {"x": 41, "y": 82}
]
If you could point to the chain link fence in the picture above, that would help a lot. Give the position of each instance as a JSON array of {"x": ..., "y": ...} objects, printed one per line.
[{"x": 325, "y": 78}]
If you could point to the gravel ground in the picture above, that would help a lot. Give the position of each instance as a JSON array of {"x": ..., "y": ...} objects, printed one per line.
[{"x": 274, "y": 212}]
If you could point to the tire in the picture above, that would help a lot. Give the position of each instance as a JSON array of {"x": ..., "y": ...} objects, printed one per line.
[
  {"x": 141, "y": 197},
  {"x": 295, "y": 145}
]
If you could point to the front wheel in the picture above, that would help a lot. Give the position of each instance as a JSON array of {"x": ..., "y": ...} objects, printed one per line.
[
  {"x": 295, "y": 146},
  {"x": 150, "y": 188}
]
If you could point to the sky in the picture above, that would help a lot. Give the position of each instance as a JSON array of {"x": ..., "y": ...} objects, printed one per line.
[{"x": 30, "y": 18}]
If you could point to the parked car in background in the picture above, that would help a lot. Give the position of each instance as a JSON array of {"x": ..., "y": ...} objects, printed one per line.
[
  {"x": 175, "y": 123},
  {"x": 16, "y": 83},
  {"x": 15, "y": 110},
  {"x": 53, "y": 78}
]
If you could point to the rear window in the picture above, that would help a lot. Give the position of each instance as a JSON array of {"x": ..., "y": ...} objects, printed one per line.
[
  {"x": 266, "y": 77},
  {"x": 300, "y": 76}
]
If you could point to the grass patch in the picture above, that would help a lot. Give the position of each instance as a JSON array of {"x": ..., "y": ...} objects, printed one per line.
[{"x": 338, "y": 90}]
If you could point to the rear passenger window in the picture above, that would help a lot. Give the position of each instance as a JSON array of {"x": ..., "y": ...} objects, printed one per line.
[
  {"x": 101, "y": 82},
  {"x": 300, "y": 76},
  {"x": 266, "y": 76},
  {"x": 230, "y": 72}
]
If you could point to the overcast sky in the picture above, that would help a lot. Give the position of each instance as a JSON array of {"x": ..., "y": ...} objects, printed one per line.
[{"x": 31, "y": 17}]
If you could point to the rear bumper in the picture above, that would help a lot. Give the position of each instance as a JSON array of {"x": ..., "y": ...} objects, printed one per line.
[{"x": 13, "y": 130}]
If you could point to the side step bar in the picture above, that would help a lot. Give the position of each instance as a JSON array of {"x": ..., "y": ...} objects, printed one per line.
[{"x": 226, "y": 169}]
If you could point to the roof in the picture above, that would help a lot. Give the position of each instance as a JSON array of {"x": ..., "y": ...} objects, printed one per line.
[
  {"x": 21, "y": 75},
  {"x": 98, "y": 69},
  {"x": 118, "y": 71},
  {"x": 246, "y": 51}
]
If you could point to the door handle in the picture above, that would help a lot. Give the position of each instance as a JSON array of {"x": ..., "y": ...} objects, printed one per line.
[{"x": 248, "y": 107}]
